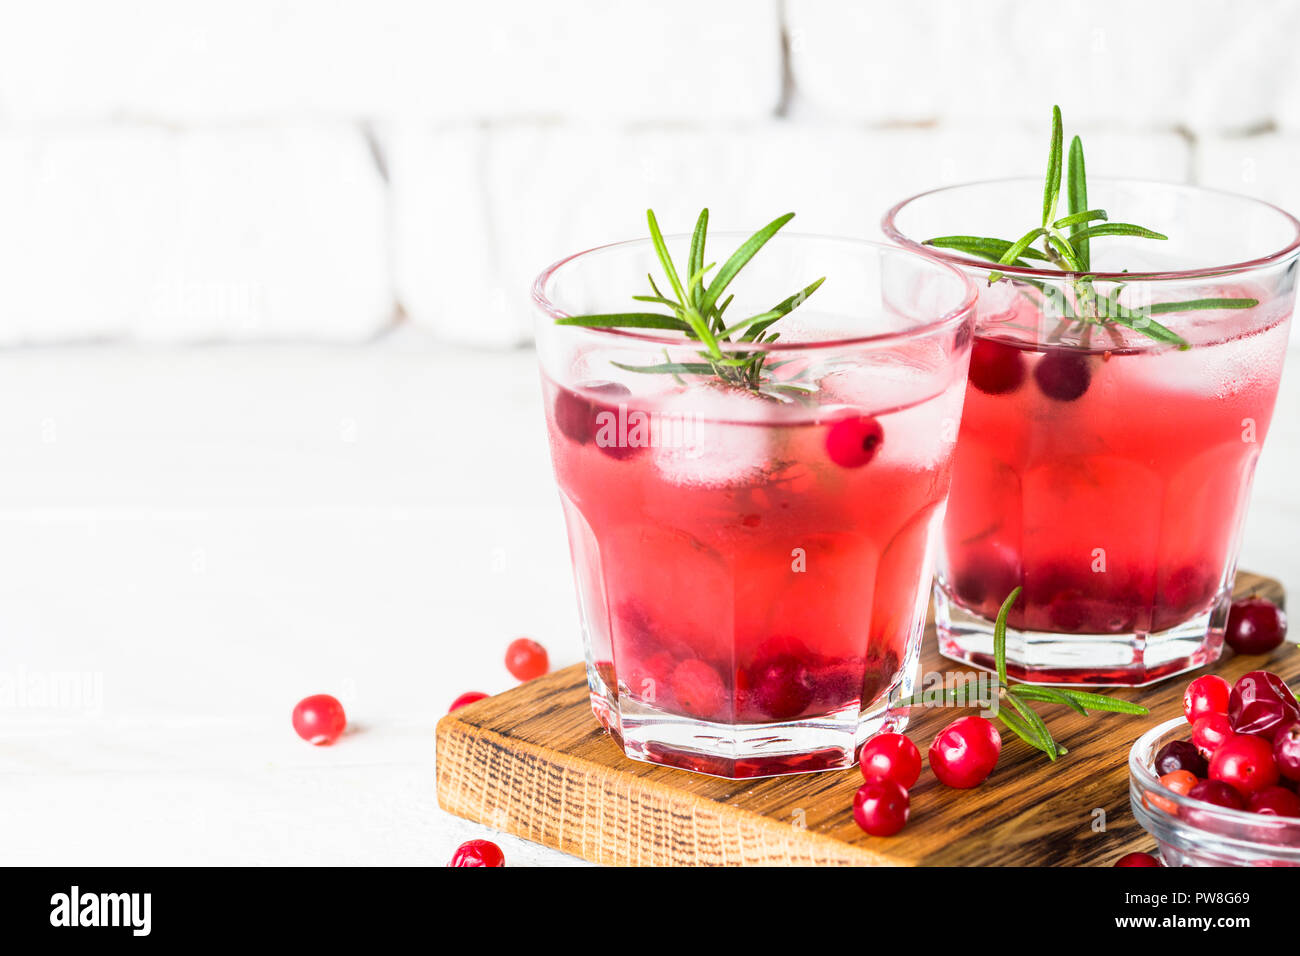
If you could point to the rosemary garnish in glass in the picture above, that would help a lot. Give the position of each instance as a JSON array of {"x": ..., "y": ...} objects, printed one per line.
[
  {"x": 697, "y": 310},
  {"x": 1066, "y": 245},
  {"x": 1023, "y": 721}
]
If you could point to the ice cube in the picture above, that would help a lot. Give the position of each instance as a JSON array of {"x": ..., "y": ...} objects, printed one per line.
[{"x": 713, "y": 434}]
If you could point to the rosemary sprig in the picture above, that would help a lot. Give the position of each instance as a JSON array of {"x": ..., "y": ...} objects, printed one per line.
[
  {"x": 1067, "y": 242},
  {"x": 697, "y": 309},
  {"x": 1013, "y": 699}
]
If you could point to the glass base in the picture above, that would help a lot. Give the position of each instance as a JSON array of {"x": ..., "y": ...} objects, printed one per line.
[
  {"x": 1091, "y": 660},
  {"x": 741, "y": 751}
]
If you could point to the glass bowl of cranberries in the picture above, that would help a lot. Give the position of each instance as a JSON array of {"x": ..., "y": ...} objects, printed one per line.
[{"x": 1219, "y": 785}]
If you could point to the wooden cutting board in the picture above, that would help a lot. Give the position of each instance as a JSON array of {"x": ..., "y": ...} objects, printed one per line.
[{"x": 535, "y": 763}]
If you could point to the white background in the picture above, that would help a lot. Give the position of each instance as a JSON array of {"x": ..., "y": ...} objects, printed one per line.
[{"x": 268, "y": 418}]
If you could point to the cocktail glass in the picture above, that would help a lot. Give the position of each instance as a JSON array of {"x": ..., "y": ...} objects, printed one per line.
[
  {"x": 1105, "y": 473},
  {"x": 753, "y": 568}
]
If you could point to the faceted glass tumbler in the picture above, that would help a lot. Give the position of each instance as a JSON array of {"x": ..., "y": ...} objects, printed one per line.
[
  {"x": 753, "y": 565},
  {"x": 1105, "y": 472}
]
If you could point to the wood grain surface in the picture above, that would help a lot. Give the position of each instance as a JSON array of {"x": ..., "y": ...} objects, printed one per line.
[{"x": 534, "y": 762}]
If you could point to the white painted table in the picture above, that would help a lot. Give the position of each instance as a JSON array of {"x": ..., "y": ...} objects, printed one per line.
[{"x": 200, "y": 538}]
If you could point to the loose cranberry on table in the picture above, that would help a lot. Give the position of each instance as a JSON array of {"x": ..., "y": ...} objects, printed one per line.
[
  {"x": 1209, "y": 733},
  {"x": 469, "y": 697},
  {"x": 526, "y": 659},
  {"x": 1246, "y": 763},
  {"x": 965, "y": 752},
  {"x": 478, "y": 853},
  {"x": 1255, "y": 626},
  {"x": 1274, "y": 801},
  {"x": 1262, "y": 704},
  {"x": 1181, "y": 755},
  {"x": 319, "y": 719},
  {"x": 881, "y": 807},
  {"x": 890, "y": 757},
  {"x": 1206, "y": 695},
  {"x": 1218, "y": 793},
  {"x": 1286, "y": 752},
  {"x": 1138, "y": 859}
]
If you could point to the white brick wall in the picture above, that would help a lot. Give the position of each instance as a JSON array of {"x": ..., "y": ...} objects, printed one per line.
[{"x": 298, "y": 169}]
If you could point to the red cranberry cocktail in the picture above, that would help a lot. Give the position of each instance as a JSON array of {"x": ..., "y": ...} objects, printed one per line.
[
  {"x": 751, "y": 533},
  {"x": 1112, "y": 424}
]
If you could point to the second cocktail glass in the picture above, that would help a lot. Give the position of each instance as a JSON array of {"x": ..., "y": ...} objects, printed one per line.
[
  {"x": 753, "y": 562},
  {"x": 1106, "y": 472}
]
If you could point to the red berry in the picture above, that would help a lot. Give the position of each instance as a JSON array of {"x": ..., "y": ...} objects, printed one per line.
[
  {"x": 1275, "y": 802},
  {"x": 319, "y": 719},
  {"x": 1138, "y": 859},
  {"x": 783, "y": 686},
  {"x": 1181, "y": 755},
  {"x": 1218, "y": 793},
  {"x": 1245, "y": 762},
  {"x": 1262, "y": 704},
  {"x": 1063, "y": 375},
  {"x": 881, "y": 807},
  {"x": 965, "y": 752},
  {"x": 1209, "y": 733},
  {"x": 890, "y": 757},
  {"x": 1286, "y": 752},
  {"x": 1180, "y": 782},
  {"x": 698, "y": 689},
  {"x": 852, "y": 442},
  {"x": 575, "y": 411},
  {"x": 466, "y": 698},
  {"x": 996, "y": 368},
  {"x": 1206, "y": 695},
  {"x": 526, "y": 659},
  {"x": 478, "y": 853},
  {"x": 1255, "y": 626}
]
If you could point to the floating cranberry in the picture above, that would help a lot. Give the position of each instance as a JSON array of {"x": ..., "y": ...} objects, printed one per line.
[
  {"x": 478, "y": 853},
  {"x": 881, "y": 807},
  {"x": 1138, "y": 859},
  {"x": 698, "y": 689},
  {"x": 1246, "y": 763},
  {"x": 1255, "y": 626},
  {"x": 965, "y": 752},
  {"x": 1286, "y": 751},
  {"x": 783, "y": 686},
  {"x": 890, "y": 757},
  {"x": 1209, "y": 733},
  {"x": 319, "y": 719},
  {"x": 466, "y": 698},
  {"x": 1218, "y": 793},
  {"x": 1262, "y": 704},
  {"x": 996, "y": 368},
  {"x": 526, "y": 659},
  {"x": 1274, "y": 802},
  {"x": 1206, "y": 695},
  {"x": 1181, "y": 755},
  {"x": 852, "y": 442},
  {"x": 1063, "y": 375},
  {"x": 575, "y": 411}
]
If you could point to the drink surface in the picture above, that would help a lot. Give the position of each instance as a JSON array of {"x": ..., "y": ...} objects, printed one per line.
[
  {"x": 749, "y": 560},
  {"x": 1110, "y": 482}
]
